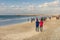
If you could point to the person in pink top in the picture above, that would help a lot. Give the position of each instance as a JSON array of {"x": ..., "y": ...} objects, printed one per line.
[{"x": 41, "y": 25}]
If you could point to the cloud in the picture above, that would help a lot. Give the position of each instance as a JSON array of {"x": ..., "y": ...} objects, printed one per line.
[
  {"x": 43, "y": 5},
  {"x": 10, "y": 9},
  {"x": 48, "y": 7},
  {"x": 30, "y": 7},
  {"x": 55, "y": 3},
  {"x": 50, "y": 4}
]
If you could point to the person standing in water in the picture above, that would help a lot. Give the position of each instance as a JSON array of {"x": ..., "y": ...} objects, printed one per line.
[
  {"x": 41, "y": 25},
  {"x": 37, "y": 24}
]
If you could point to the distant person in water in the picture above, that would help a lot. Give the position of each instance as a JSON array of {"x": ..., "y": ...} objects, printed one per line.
[
  {"x": 41, "y": 25},
  {"x": 37, "y": 24},
  {"x": 32, "y": 19}
]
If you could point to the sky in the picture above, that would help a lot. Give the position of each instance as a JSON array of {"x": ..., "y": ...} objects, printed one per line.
[{"x": 17, "y": 7}]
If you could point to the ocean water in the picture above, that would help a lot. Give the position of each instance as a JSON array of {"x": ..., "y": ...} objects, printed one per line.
[{"x": 13, "y": 19}]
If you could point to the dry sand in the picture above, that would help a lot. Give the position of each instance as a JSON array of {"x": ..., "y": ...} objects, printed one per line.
[
  {"x": 26, "y": 31},
  {"x": 17, "y": 31}
]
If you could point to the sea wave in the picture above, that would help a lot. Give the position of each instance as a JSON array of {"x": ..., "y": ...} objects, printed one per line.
[
  {"x": 3, "y": 20},
  {"x": 7, "y": 21}
]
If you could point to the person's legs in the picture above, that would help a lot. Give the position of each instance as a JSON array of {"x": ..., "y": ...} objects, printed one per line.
[
  {"x": 37, "y": 28},
  {"x": 41, "y": 29}
]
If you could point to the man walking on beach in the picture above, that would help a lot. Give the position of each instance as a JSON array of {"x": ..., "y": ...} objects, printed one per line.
[
  {"x": 37, "y": 24},
  {"x": 41, "y": 25}
]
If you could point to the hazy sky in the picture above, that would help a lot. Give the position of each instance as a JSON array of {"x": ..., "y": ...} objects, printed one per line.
[{"x": 29, "y": 6}]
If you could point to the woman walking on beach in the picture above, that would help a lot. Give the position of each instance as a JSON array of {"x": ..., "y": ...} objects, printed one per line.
[
  {"x": 41, "y": 25},
  {"x": 37, "y": 24}
]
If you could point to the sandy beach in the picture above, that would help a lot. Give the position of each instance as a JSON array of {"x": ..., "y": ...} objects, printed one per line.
[
  {"x": 26, "y": 31},
  {"x": 29, "y": 19}
]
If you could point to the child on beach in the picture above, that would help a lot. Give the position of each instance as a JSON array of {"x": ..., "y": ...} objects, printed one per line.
[
  {"x": 41, "y": 25},
  {"x": 37, "y": 24}
]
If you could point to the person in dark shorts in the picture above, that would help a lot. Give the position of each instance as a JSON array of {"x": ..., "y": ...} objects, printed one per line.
[{"x": 37, "y": 25}]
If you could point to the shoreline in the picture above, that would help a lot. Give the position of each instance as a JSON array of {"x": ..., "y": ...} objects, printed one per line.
[
  {"x": 16, "y": 24},
  {"x": 17, "y": 31}
]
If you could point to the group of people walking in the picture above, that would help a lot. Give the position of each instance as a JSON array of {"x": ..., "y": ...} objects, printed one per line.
[{"x": 39, "y": 25}]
